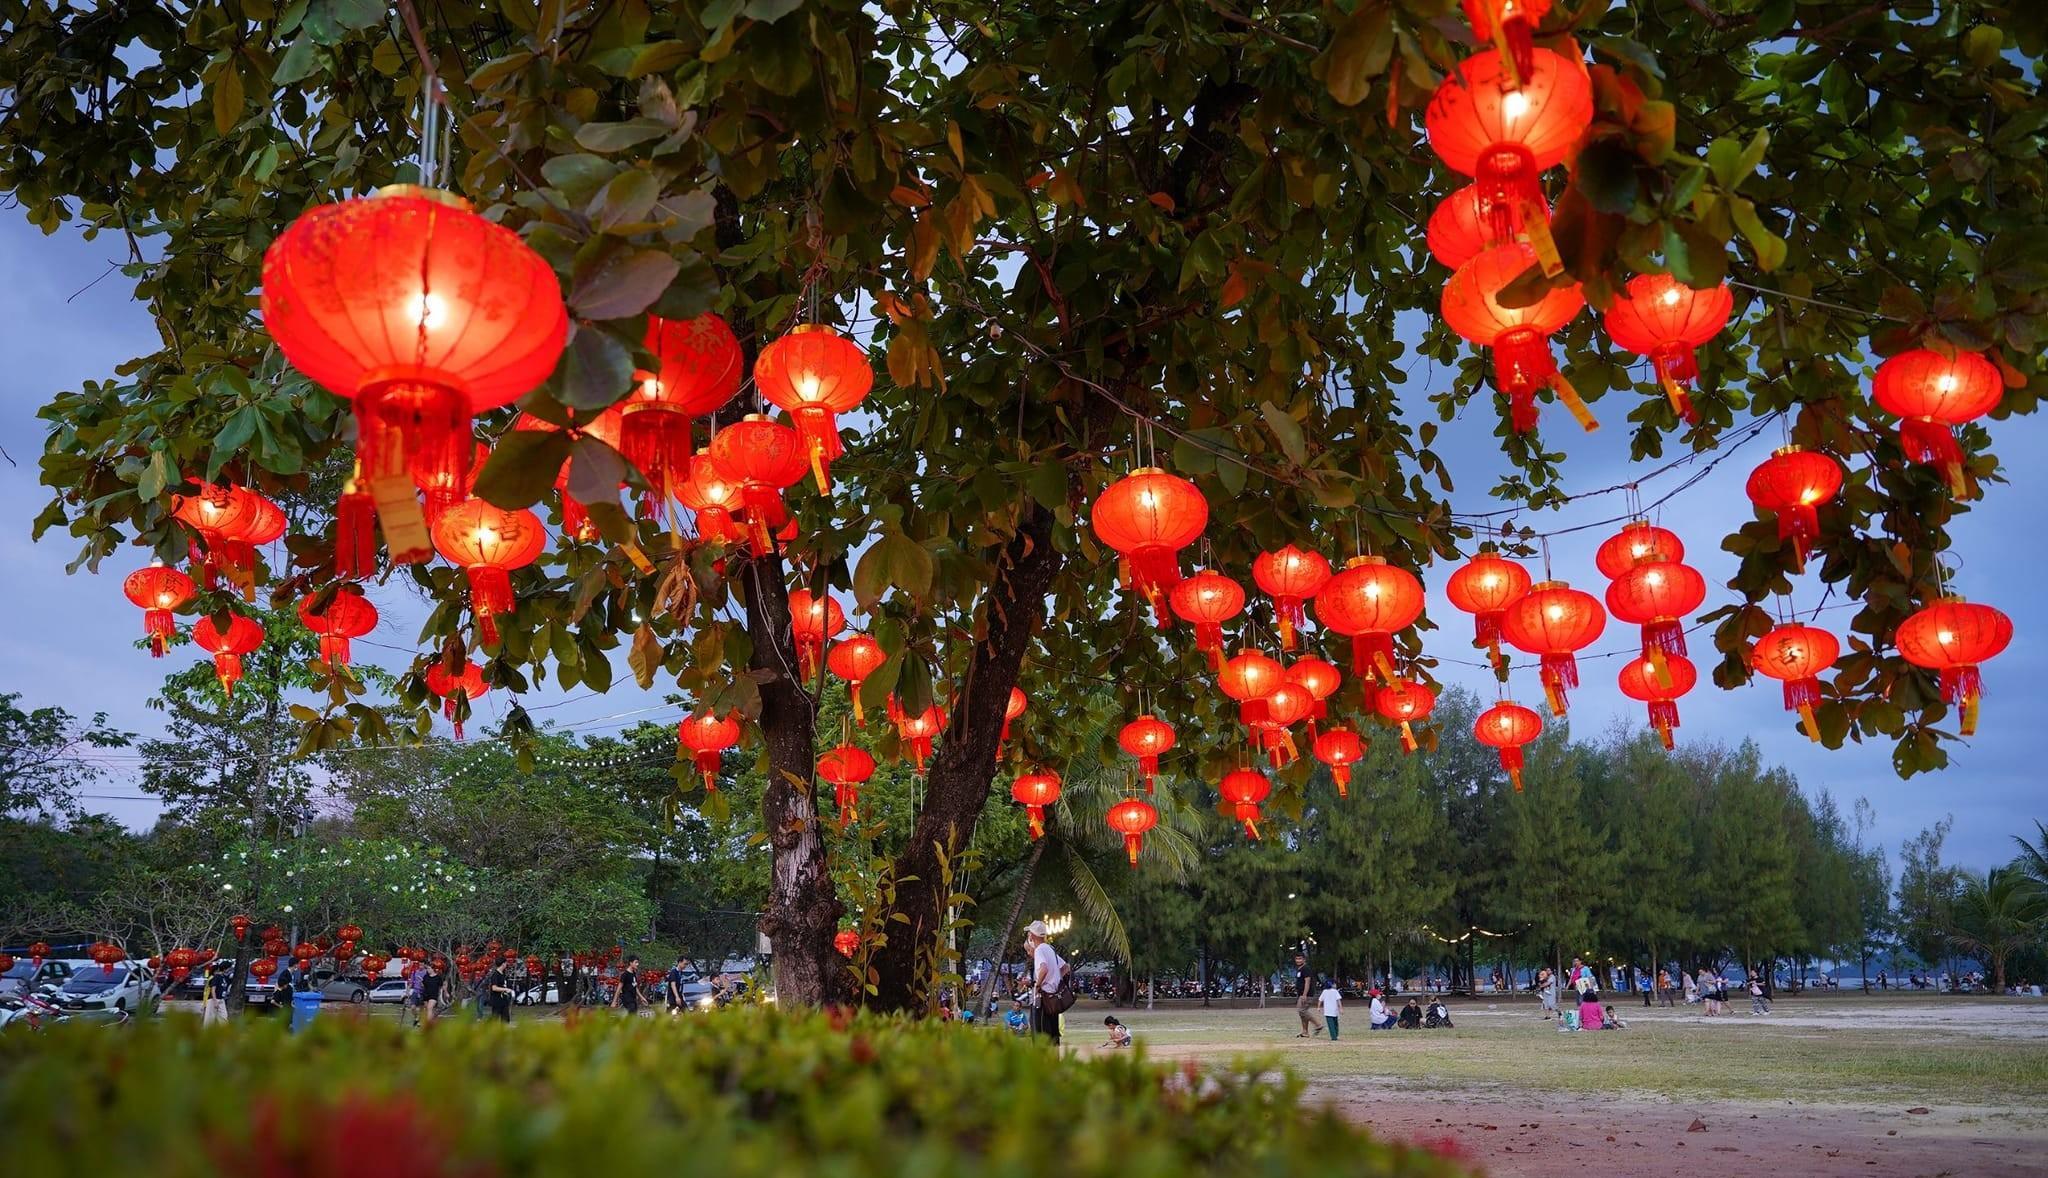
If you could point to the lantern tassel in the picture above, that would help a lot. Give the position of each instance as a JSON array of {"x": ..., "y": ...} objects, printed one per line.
[
  {"x": 159, "y": 625},
  {"x": 1514, "y": 67},
  {"x": 655, "y": 439},
  {"x": 1677, "y": 368},
  {"x": 1663, "y": 718},
  {"x": 1570, "y": 396},
  {"x": 1511, "y": 760},
  {"x": 1800, "y": 696},
  {"x": 1799, "y": 524},
  {"x": 1249, "y": 815},
  {"x": 1408, "y": 742},
  {"x": 1132, "y": 844},
  {"x": 1507, "y": 184},
  {"x": 1522, "y": 363},
  {"x": 490, "y": 594},
  {"x": 1933, "y": 443},
  {"x": 1536, "y": 227},
  {"x": 355, "y": 532},
  {"x": 1286, "y": 621},
  {"x": 1964, "y": 684},
  {"x": 334, "y": 650},
  {"x": 227, "y": 667},
  {"x": 1036, "y": 814},
  {"x": 1341, "y": 774}
]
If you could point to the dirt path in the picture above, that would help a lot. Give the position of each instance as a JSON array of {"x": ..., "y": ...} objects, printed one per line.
[{"x": 1527, "y": 1135}]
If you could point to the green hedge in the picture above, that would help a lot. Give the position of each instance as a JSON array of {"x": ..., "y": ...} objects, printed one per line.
[{"x": 734, "y": 1095}]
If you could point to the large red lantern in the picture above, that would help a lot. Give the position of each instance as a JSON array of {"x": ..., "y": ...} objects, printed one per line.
[
  {"x": 1290, "y": 577},
  {"x": 1510, "y": 25},
  {"x": 1503, "y": 126},
  {"x": 346, "y": 615},
  {"x": 37, "y": 951},
  {"x": 847, "y": 767},
  {"x": 1657, "y": 595},
  {"x": 919, "y": 731},
  {"x": 1131, "y": 818},
  {"x": 243, "y": 637},
  {"x": 1507, "y": 726},
  {"x": 1340, "y": 749},
  {"x": 1321, "y": 681},
  {"x": 763, "y": 456},
  {"x": 707, "y": 735},
  {"x": 1518, "y": 336},
  {"x": 854, "y": 660},
  {"x": 1404, "y": 702},
  {"x": 1036, "y": 791},
  {"x": 1249, "y": 677},
  {"x": 107, "y": 954},
  {"x": 1147, "y": 517},
  {"x": 1485, "y": 587},
  {"x": 262, "y": 968},
  {"x": 1147, "y": 738},
  {"x": 1288, "y": 704},
  {"x": 697, "y": 369},
  {"x": 1639, "y": 540},
  {"x": 1205, "y": 601},
  {"x": 422, "y": 313},
  {"x": 815, "y": 374},
  {"x": 1952, "y": 636},
  {"x": 1661, "y": 318},
  {"x": 1932, "y": 394},
  {"x": 1797, "y": 654},
  {"x": 813, "y": 621},
  {"x": 715, "y": 500},
  {"x": 1792, "y": 483},
  {"x": 1369, "y": 600},
  {"x": 158, "y": 590},
  {"x": 1243, "y": 790},
  {"x": 606, "y": 427},
  {"x": 1462, "y": 226},
  {"x": 231, "y": 522},
  {"x": 456, "y": 689},
  {"x": 1659, "y": 686},
  {"x": 1555, "y": 621},
  {"x": 488, "y": 542}
]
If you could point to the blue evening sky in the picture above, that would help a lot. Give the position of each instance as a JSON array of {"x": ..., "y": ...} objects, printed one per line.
[{"x": 70, "y": 640}]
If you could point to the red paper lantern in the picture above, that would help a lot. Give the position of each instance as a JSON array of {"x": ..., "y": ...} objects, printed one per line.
[
  {"x": 1340, "y": 749},
  {"x": 847, "y": 942},
  {"x": 1036, "y": 791},
  {"x": 37, "y": 951},
  {"x": 1510, "y": 25},
  {"x": 1659, "y": 686},
  {"x": 1147, "y": 517},
  {"x": 697, "y": 369},
  {"x": 1404, "y": 702},
  {"x": 349, "y": 932},
  {"x": 815, "y": 374},
  {"x": 1657, "y": 595},
  {"x": 1518, "y": 336},
  {"x": 1320, "y": 679},
  {"x": 707, "y": 736},
  {"x": 1797, "y": 655},
  {"x": 535, "y": 967},
  {"x": 1288, "y": 704},
  {"x": 854, "y": 660},
  {"x": 606, "y": 426},
  {"x": 918, "y": 731},
  {"x": 1793, "y": 483},
  {"x": 1147, "y": 738},
  {"x": 422, "y": 313},
  {"x": 715, "y": 501},
  {"x": 1131, "y": 818},
  {"x": 1639, "y": 540},
  {"x": 1661, "y": 318},
  {"x": 763, "y": 457},
  {"x": 813, "y": 621},
  {"x": 1462, "y": 227},
  {"x": 1507, "y": 726},
  {"x": 231, "y": 522},
  {"x": 238, "y": 923},
  {"x": 1290, "y": 577},
  {"x": 346, "y": 615},
  {"x": 444, "y": 489},
  {"x": 1952, "y": 636},
  {"x": 6, "y": 962},
  {"x": 243, "y": 637},
  {"x": 1502, "y": 124},
  {"x": 1243, "y": 790},
  {"x": 1249, "y": 678},
  {"x": 1555, "y": 621},
  {"x": 1205, "y": 601},
  {"x": 1485, "y": 587},
  {"x": 1012, "y": 709},
  {"x": 847, "y": 767},
  {"x": 158, "y": 590},
  {"x": 262, "y": 968},
  {"x": 1932, "y": 394},
  {"x": 456, "y": 690},
  {"x": 488, "y": 542},
  {"x": 1369, "y": 600}
]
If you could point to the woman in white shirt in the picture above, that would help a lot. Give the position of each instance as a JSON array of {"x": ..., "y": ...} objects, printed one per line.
[{"x": 1382, "y": 1018}]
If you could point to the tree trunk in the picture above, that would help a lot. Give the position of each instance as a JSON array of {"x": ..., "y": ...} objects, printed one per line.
[
  {"x": 988, "y": 988},
  {"x": 1205, "y": 973},
  {"x": 958, "y": 786}
]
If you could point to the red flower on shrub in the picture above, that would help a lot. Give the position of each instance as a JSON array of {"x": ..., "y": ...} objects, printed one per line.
[{"x": 308, "y": 1140}]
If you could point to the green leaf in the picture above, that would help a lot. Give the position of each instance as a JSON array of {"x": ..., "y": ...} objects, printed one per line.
[
  {"x": 1770, "y": 248},
  {"x": 596, "y": 370},
  {"x": 578, "y": 175},
  {"x": 1606, "y": 174},
  {"x": 1358, "y": 53},
  {"x": 1287, "y": 430},
  {"x": 522, "y": 467},
  {"x": 610, "y": 137},
  {"x": 227, "y": 98},
  {"x": 894, "y": 560},
  {"x": 622, "y": 285},
  {"x": 1724, "y": 159},
  {"x": 1047, "y": 483},
  {"x": 156, "y": 475},
  {"x": 595, "y": 472},
  {"x": 770, "y": 11},
  {"x": 237, "y": 432},
  {"x": 644, "y": 657},
  {"x": 296, "y": 64},
  {"x": 628, "y": 199}
]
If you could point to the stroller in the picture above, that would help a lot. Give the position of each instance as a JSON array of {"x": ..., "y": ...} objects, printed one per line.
[{"x": 1438, "y": 1016}]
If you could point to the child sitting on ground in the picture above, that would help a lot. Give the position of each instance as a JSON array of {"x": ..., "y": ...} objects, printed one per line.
[
  {"x": 1119, "y": 1034},
  {"x": 1017, "y": 1020},
  {"x": 1613, "y": 1021}
]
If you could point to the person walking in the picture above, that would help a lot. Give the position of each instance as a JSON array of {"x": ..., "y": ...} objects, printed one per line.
[
  {"x": 433, "y": 988},
  {"x": 1305, "y": 998},
  {"x": 213, "y": 1003},
  {"x": 1047, "y": 971},
  {"x": 1692, "y": 988},
  {"x": 1759, "y": 1001},
  {"x": 498, "y": 993},
  {"x": 626, "y": 997},
  {"x": 1333, "y": 1006},
  {"x": 672, "y": 985}
]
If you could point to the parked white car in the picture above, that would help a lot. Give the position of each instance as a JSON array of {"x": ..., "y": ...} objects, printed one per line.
[
  {"x": 389, "y": 990},
  {"x": 128, "y": 987}
]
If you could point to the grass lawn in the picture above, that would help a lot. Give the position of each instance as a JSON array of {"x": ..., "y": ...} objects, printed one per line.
[{"x": 1837, "y": 1049}]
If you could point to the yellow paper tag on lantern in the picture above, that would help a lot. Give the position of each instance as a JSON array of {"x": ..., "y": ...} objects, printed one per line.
[{"x": 405, "y": 525}]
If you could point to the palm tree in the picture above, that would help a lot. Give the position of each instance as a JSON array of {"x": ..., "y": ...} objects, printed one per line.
[
  {"x": 2033, "y": 857},
  {"x": 1997, "y": 915}
]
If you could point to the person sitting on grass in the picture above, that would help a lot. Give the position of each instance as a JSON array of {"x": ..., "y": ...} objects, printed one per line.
[
  {"x": 1381, "y": 1019},
  {"x": 1119, "y": 1034},
  {"x": 1439, "y": 1015},
  {"x": 1612, "y": 1021},
  {"x": 1411, "y": 1016},
  {"x": 1018, "y": 1020},
  {"x": 1591, "y": 1017}
]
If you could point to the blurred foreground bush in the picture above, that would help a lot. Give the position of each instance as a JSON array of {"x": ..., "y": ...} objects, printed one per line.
[{"x": 737, "y": 1095}]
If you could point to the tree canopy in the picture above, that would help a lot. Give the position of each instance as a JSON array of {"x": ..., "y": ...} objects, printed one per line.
[{"x": 1080, "y": 238}]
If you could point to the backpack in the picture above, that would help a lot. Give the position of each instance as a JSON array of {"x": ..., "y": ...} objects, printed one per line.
[{"x": 1061, "y": 1000}]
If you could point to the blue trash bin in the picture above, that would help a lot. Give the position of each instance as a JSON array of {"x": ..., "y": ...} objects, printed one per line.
[{"x": 305, "y": 1006}]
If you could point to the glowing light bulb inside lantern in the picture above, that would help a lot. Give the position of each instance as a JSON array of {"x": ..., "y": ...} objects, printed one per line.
[
  {"x": 1555, "y": 612},
  {"x": 1945, "y": 637},
  {"x": 1515, "y": 104},
  {"x": 1638, "y": 549},
  {"x": 1654, "y": 578},
  {"x": 1947, "y": 383},
  {"x": 1490, "y": 580},
  {"x": 430, "y": 309},
  {"x": 1148, "y": 499},
  {"x": 807, "y": 386},
  {"x": 1671, "y": 297},
  {"x": 486, "y": 533}
]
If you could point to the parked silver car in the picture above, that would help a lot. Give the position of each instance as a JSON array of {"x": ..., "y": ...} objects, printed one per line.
[{"x": 26, "y": 977}]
